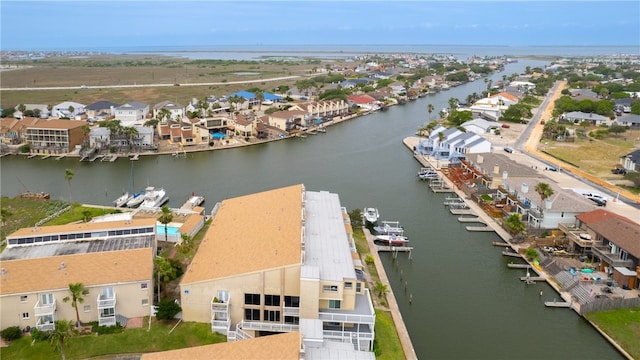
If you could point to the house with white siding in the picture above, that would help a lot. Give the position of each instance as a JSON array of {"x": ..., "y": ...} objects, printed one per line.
[{"x": 132, "y": 113}]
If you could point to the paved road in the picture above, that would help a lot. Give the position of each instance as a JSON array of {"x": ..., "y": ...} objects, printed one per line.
[{"x": 83, "y": 87}]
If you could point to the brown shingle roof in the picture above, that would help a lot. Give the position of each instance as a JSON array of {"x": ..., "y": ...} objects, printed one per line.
[
  {"x": 58, "y": 124},
  {"x": 281, "y": 346},
  {"x": 250, "y": 233},
  {"x": 615, "y": 228},
  {"x": 90, "y": 269}
]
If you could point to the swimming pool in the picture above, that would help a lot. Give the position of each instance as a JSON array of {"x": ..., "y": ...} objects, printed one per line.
[{"x": 171, "y": 230}]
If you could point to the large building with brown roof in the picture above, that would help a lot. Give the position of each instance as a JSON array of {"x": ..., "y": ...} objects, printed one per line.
[
  {"x": 113, "y": 260},
  {"x": 55, "y": 136},
  {"x": 280, "y": 261}
]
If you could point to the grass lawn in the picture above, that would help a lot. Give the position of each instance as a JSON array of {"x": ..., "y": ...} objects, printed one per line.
[
  {"x": 27, "y": 212},
  {"x": 130, "y": 341},
  {"x": 78, "y": 214},
  {"x": 623, "y": 325},
  {"x": 387, "y": 344}
]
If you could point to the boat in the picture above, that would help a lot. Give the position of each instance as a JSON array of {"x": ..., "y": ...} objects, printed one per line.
[
  {"x": 393, "y": 239},
  {"x": 122, "y": 200},
  {"x": 136, "y": 199},
  {"x": 154, "y": 198},
  {"x": 36, "y": 195},
  {"x": 427, "y": 175},
  {"x": 194, "y": 200},
  {"x": 371, "y": 215},
  {"x": 389, "y": 228},
  {"x": 321, "y": 129}
]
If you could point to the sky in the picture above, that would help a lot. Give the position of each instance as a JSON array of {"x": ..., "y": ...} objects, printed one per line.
[{"x": 92, "y": 24}]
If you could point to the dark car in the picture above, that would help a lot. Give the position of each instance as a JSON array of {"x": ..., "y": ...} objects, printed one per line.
[
  {"x": 620, "y": 171},
  {"x": 551, "y": 168},
  {"x": 597, "y": 201}
]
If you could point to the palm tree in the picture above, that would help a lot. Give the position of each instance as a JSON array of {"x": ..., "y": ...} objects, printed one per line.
[
  {"x": 166, "y": 272},
  {"x": 163, "y": 115},
  {"x": 260, "y": 96},
  {"x": 514, "y": 224},
  {"x": 453, "y": 104},
  {"x": 381, "y": 288},
  {"x": 165, "y": 219},
  {"x": 68, "y": 175},
  {"x": 78, "y": 291},
  {"x": 544, "y": 190},
  {"x": 430, "y": 109},
  {"x": 62, "y": 332}
]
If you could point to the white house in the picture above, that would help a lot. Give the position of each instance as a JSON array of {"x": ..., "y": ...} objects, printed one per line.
[
  {"x": 480, "y": 126},
  {"x": 176, "y": 110},
  {"x": 99, "y": 137},
  {"x": 132, "y": 113},
  {"x": 67, "y": 109}
]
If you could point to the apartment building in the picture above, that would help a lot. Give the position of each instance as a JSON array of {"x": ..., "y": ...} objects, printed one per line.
[
  {"x": 55, "y": 136},
  {"x": 278, "y": 261},
  {"x": 113, "y": 260}
]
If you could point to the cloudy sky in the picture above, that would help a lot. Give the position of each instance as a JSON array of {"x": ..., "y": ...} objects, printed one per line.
[{"x": 90, "y": 24}]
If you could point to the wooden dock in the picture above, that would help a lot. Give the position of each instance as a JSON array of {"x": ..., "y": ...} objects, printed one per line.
[
  {"x": 486, "y": 228},
  {"x": 135, "y": 157},
  {"x": 533, "y": 278},
  {"x": 32, "y": 156},
  {"x": 45, "y": 157},
  {"x": 462, "y": 212},
  {"x": 471, "y": 219},
  {"x": 511, "y": 253},
  {"x": 60, "y": 157},
  {"x": 518, "y": 266},
  {"x": 383, "y": 248},
  {"x": 500, "y": 243},
  {"x": 113, "y": 158},
  {"x": 558, "y": 304}
]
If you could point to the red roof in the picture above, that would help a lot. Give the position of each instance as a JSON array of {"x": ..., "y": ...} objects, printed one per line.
[
  {"x": 598, "y": 215},
  {"x": 361, "y": 99}
]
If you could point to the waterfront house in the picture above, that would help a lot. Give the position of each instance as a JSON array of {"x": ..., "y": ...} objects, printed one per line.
[
  {"x": 132, "y": 113},
  {"x": 493, "y": 106},
  {"x": 13, "y": 131},
  {"x": 55, "y": 136},
  {"x": 67, "y": 109},
  {"x": 282, "y": 260},
  {"x": 113, "y": 260},
  {"x": 451, "y": 144},
  {"x": 519, "y": 196},
  {"x": 99, "y": 138},
  {"x": 364, "y": 102},
  {"x": 325, "y": 109},
  {"x": 244, "y": 126},
  {"x": 100, "y": 110},
  {"x": 176, "y": 111},
  {"x": 631, "y": 161},
  {"x": 480, "y": 126},
  {"x": 288, "y": 120}
]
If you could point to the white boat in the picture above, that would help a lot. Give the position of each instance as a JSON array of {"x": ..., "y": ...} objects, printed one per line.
[
  {"x": 154, "y": 198},
  {"x": 429, "y": 174},
  {"x": 321, "y": 129},
  {"x": 194, "y": 200},
  {"x": 389, "y": 228},
  {"x": 371, "y": 215},
  {"x": 393, "y": 239},
  {"x": 122, "y": 200},
  {"x": 136, "y": 199}
]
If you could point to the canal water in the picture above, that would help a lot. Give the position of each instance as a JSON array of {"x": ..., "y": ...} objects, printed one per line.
[{"x": 466, "y": 303}]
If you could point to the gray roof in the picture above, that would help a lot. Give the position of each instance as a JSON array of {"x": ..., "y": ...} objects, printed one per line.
[
  {"x": 481, "y": 123},
  {"x": 326, "y": 242},
  {"x": 561, "y": 201},
  {"x": 133, "y": 105},
  {"x": 488, "y": 161},
  {"x": 579, "y": 115},
  {"x": 167, "y": 104},
  {"x": 101, "y": 105},
  {"x": 634, "y": 156},
  {"x": 629, "y": 118}
]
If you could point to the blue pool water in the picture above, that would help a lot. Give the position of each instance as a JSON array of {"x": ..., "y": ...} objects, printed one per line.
[{"x": 171, "y": 230}]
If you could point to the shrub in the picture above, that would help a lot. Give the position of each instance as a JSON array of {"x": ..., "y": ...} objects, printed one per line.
[
  {"x": 38, "y": 335},
  {"x": 11, "y": 333},
  {"x": 25, "y": 148},
  {"x": 167, "y": 309},
  {"x": 102, "y": 330},
  {"x": 369, "y": 259}
]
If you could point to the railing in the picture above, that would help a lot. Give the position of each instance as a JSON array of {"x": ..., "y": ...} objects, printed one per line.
[
  {"x": 47, "y": 309},
  {"x": 347, "y": 318},
  {"x": 264, "y": 326},
  {"x": 346, "y": 335},
  {"x": 106, "y": 302},
  {"x": 291, "y": 311},
  {"x": 107, "y": 320},
  {"x": 241, "y": 334},
  {"x": 220, "y": 307},
  {"x": 48, "y": 326},
  {"x": 603, "y": 252},
  {"x": 220, "y": 324}
]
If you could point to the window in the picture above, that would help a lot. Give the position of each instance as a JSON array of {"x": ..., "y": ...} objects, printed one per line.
[
  {"x": 24, "y": 298},
  {"x": 292, "y": 301},
  {"x": 252, "y": 299},
  {"x": 358, "y": 287},
  {"x": 272, "y": 300},
  {"x": 292, "y": 320},
  {"x": 329, "y": 288},
  {"x": 107, "y": 312},
  {"x": 334, "y": 304},
  {"x": 252, "y": 314},
  {"x": 144, "y": 286},
  {"x": 145, "y": 302},
  {"x": 87, "y": 308},
  {"x": 348, "y": 285},
  {"x": 25, "y": 315},
  {"x": 271, "y": 315},
  {"x": 46, "y": 299}
]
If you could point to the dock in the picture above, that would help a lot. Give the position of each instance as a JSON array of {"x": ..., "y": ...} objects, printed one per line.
[
  {"x": 465, "y": 211},
  {"x": 32, "y": 156},
  {"x": 96, "y": 158},
  {"x": 4, "y": 154},
  {"x": 518, "y": 266},
  {"x": 45, "y": 157},
  {"x": 192, "y": 202},
  {"x": 471, "y": 219},
  {"x": 558, "y": 304},
  {"x": 384, "y": 248},
  {"x": 135, "y": 157},
  {"x": 60, "y": 157},
  {"x": 533, "y": 278},
  {"x": 486, "y": 228},
  {"x": 511, "y": 253},
  {"x": 113, "y": 158},
  {"x": 500, "y": 243}
]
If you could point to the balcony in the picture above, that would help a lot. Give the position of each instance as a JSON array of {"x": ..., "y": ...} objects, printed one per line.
[
  {"x": 604, "y": 253},
  {"x": 268, "y": 326},
  {"x": 107, "y": 320},
  {"x": 578, "y": 236},
  {"x": 106, "y": 300},
  {"x": 363, "y": 312},
  {"x": 291, "y": 311},
  {"x": 45, "y": 325},
  {"x": 220, "y": 320},
  {"x": 44, "y": 309}
]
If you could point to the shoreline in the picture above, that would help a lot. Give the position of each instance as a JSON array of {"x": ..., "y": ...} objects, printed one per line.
[{"x": 426, "y": 161}]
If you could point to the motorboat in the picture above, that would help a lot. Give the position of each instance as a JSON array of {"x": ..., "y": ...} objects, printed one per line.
[
  {"x": 122, "y": 200},
  {"x": 154, "y": 198},
  {"x": 393, "y": 239},
  {"x": 427, "y": 173},
  {"x": 371, "y": 215},
  {"x": 388, "y": 228}
]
